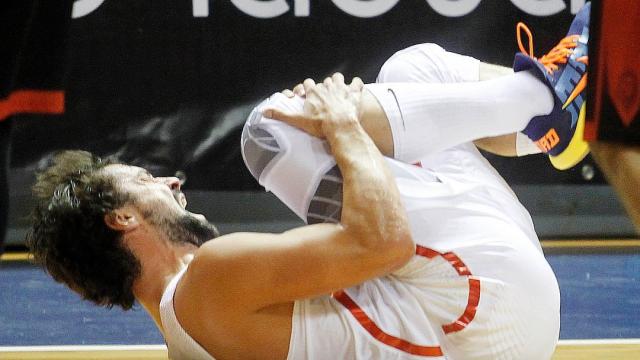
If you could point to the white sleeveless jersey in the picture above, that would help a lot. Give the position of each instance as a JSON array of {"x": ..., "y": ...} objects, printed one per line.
[
  {"x": 477, "y": 288},
  {"x": 179, "y": 344}
]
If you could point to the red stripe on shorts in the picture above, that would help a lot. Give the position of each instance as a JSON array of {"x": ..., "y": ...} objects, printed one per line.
[
  {"x": 474, "y": 288},
  {"x": 380, "y": 335},
  {"x": 459, "y": 324},
  {"x": 32, "y": 101},
  {"x": 469, "y": 312}
]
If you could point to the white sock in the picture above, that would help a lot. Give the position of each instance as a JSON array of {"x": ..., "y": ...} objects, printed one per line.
[
  {"x": 525, "y": 146},
  {"x": 426, "y": 118}
]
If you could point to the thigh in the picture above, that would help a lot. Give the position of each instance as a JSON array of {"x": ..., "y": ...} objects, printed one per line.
[{"x": 428, "y": 63}]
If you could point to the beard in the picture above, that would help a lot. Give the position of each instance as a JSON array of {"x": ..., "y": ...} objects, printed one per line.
[
  {"x": 184, "y": 228},
  {"x": 189, "y": 229}
]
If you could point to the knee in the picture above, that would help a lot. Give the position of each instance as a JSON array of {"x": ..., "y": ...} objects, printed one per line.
[{"x": 418, "y": 63}]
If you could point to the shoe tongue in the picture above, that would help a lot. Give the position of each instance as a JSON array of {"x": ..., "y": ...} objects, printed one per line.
[{"x": 581, "y": 19}]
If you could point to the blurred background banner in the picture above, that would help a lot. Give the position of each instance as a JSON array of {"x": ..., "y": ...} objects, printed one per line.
[{"x": 168, "y": 84}]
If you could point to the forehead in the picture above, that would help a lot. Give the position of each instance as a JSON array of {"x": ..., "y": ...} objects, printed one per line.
[{"x": 121, "y": 172}]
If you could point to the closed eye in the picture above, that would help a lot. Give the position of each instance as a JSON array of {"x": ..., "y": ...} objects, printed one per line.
[{"x": 145, "y": 176}]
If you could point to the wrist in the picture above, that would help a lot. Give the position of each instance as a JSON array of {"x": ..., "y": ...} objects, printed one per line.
[
  {"x": 349, "y": 140},
  {"x": 347, "y": 125}
]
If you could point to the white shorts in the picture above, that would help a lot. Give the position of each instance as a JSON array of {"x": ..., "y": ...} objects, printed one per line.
[
  {"x": 469, "y": 216},
  {"x": 479, "y": 274}
]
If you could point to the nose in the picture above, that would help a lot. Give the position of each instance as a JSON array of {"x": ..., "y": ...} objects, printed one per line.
[{"x": 172, "y": 182}]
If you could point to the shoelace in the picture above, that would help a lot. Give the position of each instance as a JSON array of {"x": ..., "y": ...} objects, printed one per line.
[{"x": 558, "y": 55}]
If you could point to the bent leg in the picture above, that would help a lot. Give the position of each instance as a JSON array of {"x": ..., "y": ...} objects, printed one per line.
[{"x": 433, "y": 100}]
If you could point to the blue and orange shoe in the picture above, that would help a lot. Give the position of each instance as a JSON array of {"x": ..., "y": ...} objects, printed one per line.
[{"x": 564, "y": 70}]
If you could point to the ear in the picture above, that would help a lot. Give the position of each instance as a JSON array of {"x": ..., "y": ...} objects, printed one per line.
[{"x": 122, "y": 219}]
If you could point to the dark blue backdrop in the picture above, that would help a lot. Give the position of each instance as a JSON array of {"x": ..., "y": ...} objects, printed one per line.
[{"x": 167, "y": 84}]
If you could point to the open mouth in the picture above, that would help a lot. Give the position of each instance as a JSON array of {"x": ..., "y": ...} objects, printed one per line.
[{"x": 180, "y": 199}]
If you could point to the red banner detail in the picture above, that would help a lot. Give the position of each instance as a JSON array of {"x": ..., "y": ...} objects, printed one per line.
[{"x": 32, "y": 101}]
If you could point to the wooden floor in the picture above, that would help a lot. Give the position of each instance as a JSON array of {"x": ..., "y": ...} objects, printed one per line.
[
  {"x": 598, "y": 350},
  {"x": 567, "y": 350},
  {"x": 103, "y": 352}
]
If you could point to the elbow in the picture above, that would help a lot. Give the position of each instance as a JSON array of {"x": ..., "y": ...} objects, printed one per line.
[
  {"x": 397, "y": 248},
  {"x": 383, "y": 232},
  {"x": 405, "y": 248},
  {"x": 389, "y": 250}
]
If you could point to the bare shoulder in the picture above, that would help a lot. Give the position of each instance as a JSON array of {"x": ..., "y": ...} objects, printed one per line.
[
  {"x": 216, "y": 272},
  {"x": 205, "y": 300},
  {"x": 226, "y": 246},
  {"x": 213, "y": 302}
]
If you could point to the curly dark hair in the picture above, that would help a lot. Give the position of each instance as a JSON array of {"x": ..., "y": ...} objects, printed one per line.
[{"x": 69, "y": 237}]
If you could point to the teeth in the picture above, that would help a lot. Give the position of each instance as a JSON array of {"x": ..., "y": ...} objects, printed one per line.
[{"x": 182, "y": 200}]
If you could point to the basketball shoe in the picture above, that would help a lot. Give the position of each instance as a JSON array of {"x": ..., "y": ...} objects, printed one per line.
[{"x": 564, "y": 70}]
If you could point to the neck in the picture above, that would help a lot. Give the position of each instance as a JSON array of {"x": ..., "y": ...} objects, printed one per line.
[{"x": 156, "y": 273}]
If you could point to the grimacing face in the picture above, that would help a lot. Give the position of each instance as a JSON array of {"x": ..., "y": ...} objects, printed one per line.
[{"x": 162, "y": 204}]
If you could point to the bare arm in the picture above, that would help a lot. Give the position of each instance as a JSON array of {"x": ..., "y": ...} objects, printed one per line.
[{"x": 257, "y": 270}]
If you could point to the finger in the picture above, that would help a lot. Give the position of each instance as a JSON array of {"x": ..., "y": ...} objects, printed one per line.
[
  {"x": 299, "y": 90},
  {"x": 328, "y": 81},
  {"x": 356, "y": 84},
  {"x": 308, "y": 84},
  {"x": 296, "y": 120},
  {"x": 277, "y": 114},
  {"x": 320, "y": 88},
  {"x": 338, "y": 78},
  {"x": 288, "y": 93}
]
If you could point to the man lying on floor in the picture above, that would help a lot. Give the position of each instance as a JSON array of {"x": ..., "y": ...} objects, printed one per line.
[{"x": 400, "y": 261}]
